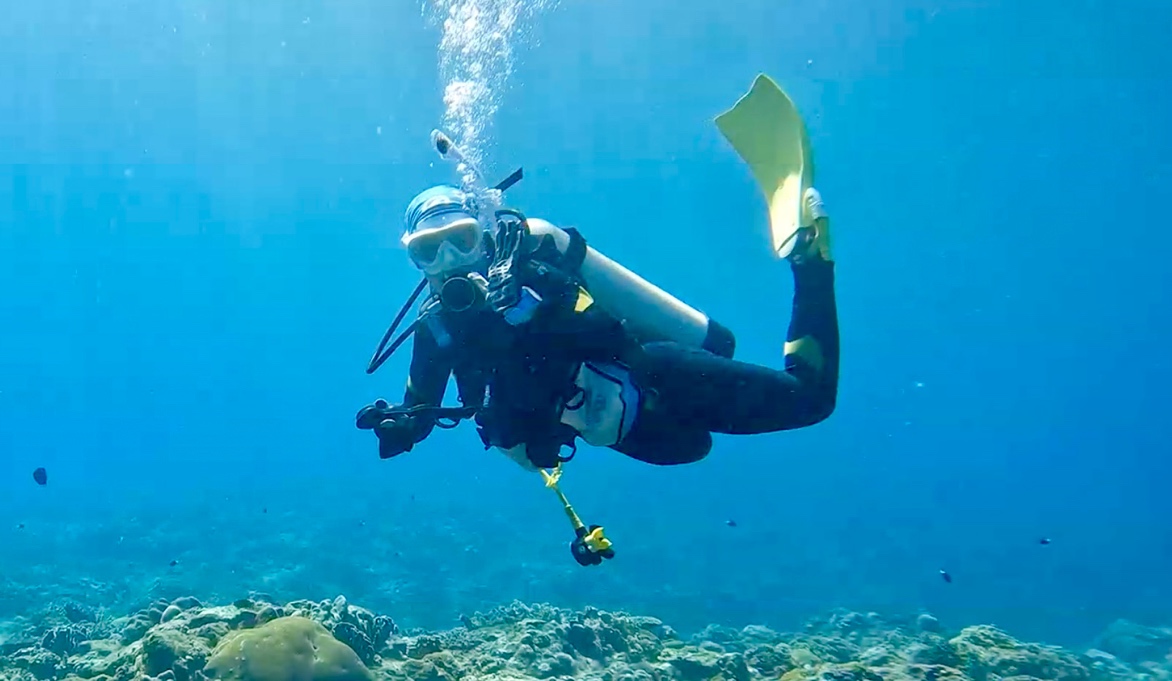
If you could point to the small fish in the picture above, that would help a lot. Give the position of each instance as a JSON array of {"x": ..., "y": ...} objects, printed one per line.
[
  {"x": 264, "y": 510},
  {"x": 174, "y": 563},
  {"x": 1044, "y": 540},
  {"x": 945, "y": 576},
  {"x": 730, "y": 522},
  {"x": 41, "y": 477},
  {"x": 20, "y": 526}
]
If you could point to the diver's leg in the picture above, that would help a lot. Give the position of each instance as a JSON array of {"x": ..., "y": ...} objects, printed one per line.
[{"x": 701, "y": 390}]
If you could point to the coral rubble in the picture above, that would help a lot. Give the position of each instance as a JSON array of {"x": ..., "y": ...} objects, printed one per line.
[{"x": 255, "y": 639}]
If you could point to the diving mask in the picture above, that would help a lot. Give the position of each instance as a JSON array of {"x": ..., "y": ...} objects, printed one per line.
[
  {"x": 452, "y": 247},
  {"x": 443, "y": 234}
]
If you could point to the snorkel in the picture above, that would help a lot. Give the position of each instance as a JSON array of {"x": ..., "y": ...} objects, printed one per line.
[{"x": 486, "y": 200}]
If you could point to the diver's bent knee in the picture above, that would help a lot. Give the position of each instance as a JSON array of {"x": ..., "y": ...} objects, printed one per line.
[{"x": 821, "y": 410}]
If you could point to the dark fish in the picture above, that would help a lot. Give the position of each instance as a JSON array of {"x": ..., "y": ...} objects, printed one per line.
[
  {"x": 174, "y": 563},
  {"x": 264, "y": 510},
  {"x": 945, "y": 576},
  {"x": 730, "y": 523},
  {"x": 20, "y": 526},
  {"x": 41, "y": 477},
  {"x": 1044, "y": 540}
]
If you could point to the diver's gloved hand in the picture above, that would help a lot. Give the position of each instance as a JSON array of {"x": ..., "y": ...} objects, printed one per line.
[
  {"x": 507, "y": 296},
  {"x": 504, "y": 287},
  {"x": 395, "y": 435},
  {"x": 371, "y": 415}
]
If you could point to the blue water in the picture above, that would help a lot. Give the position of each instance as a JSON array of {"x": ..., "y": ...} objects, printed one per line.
[{"x": 199, "y": 211}]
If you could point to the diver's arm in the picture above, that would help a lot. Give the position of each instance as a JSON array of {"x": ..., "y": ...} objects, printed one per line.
[
  {"x": 589, "y": 333},
  {"x": 398, "y": 432},
  {"x": 584, "y": 330},
  {"x": 563, "y": 247},
  {"x": 427, "y": 380},
  {"x": 577, "y": 327}
]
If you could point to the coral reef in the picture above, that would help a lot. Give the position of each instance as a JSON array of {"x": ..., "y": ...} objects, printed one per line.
[
  {"x": 256, "y": 639},
  {"x": 285, "y": 648}
]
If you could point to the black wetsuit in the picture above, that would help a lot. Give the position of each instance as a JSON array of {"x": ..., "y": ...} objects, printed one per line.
[{"x": 686, "y": 393}]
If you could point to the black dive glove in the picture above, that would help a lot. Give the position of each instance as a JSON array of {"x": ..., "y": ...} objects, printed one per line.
[
  {"x": 504, "y": 286},
  {"x": 395, "y": 435}
]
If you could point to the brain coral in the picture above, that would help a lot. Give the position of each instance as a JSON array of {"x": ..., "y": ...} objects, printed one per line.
[{"x": 286, "y": 649}]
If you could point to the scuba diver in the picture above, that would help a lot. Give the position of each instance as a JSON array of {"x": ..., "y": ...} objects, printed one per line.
[{"x": 550, "y": 341}]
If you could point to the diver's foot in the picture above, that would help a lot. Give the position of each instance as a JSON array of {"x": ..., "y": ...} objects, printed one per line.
[{"x": 814, "y": 240}]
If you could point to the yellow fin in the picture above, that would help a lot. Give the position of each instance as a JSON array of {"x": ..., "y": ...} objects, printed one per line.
[{"x": 768, "y": 133}]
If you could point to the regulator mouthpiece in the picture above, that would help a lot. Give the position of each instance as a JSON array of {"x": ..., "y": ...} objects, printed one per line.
[{"x": 460, "y": 294}]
